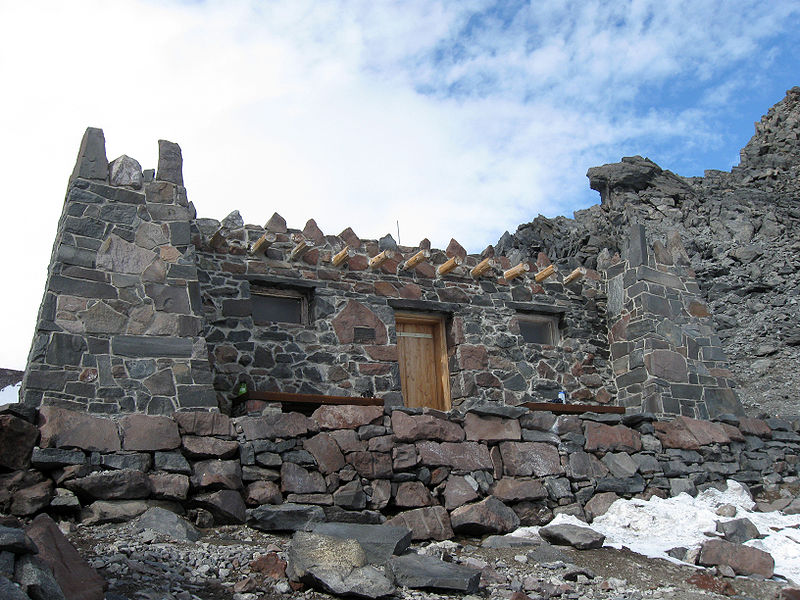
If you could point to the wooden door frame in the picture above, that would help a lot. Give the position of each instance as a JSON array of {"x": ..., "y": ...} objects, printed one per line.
[{"x": 440, "y": 347}]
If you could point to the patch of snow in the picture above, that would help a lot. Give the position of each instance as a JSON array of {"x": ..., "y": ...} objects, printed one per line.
[
  {"x": 10, "y": 394},
  {"x": 655, "y": 526}
]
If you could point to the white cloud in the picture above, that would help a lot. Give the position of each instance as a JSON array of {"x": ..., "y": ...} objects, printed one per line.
[{"x": 458, "y": 119}]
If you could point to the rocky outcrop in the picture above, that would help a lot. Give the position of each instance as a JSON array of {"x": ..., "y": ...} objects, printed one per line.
[{"x": 739, "y": 232}]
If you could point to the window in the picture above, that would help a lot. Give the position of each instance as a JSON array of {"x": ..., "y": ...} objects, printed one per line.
[
  {"x": 538, "y": 328},
  {"x": 272, "y": 305}
]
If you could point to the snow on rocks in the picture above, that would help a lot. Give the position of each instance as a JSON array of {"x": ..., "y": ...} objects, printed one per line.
[{"x": 656, "y": 526}]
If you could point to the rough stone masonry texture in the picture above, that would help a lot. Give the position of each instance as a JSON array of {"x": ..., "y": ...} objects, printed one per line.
[{"x": 149, "y": 309}]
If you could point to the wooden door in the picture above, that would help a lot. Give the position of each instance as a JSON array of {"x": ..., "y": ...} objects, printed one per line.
[{"x": 422, "y": 354}]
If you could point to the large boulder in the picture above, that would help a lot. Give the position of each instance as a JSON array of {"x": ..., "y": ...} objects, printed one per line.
[
  {"x": 744, "y": 560},
  {"x": 167, "y": 522},
  {"x": 285, "y": 517},
  {"x": 379, "y": 542},
  {"x": 335, "y": 565},
  {"x": 487, "y": 516},
  {"x": 426, "y": 572},
  {"x": 17, "y": 438},
  {"x": 76, "y": 578},
  {"x": 582, "y": 538}
]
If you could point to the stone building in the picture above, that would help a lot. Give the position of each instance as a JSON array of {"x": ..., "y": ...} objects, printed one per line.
[{"x": 149, "y": 309}]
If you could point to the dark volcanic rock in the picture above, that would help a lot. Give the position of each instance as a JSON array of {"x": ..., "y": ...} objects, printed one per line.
[
  {"x": 582, "y": 538},
  {"x": 426, "y": 572}
]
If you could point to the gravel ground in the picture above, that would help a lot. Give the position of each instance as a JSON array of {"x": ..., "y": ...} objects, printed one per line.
[{"x": 220, "y": 566}]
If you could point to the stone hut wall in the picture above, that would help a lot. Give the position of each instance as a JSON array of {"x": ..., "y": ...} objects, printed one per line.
[
  {"x": 666, "y": 355},
  {"x": 119, "y": 328},
  {"x": 349, "y": 345},
  {"x": 485, "y": 470}
]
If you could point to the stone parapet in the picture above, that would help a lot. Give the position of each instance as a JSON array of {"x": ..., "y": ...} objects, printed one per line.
[{"x": 373, "y": 465}]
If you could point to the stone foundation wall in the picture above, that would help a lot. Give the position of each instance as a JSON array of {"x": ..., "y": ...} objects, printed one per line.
[
  {"x": 349, "y": 345},
  {"x": 488, "y": 469},
  {"x": 667, "y": 357}
]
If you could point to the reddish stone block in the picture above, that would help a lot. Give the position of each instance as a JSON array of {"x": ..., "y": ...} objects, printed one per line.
[
  {"x": 744, "y": 560},
  {"x": 404, "y": 456},
  {"x": 17, "y": 439},
  {"x": 60, "y": 428},
  {"x": 384, "y": 288},
  {"x": 510, "y": 489},
  {"x": 491, "y": 429},
  {"x": 353, "y": 315},
  {"x": 217, "y": 474},
  {"x": 148, "y": 434},
  {"x": 270, "y": 565},
  {"x": 387, "y": 353},
  {"x": 77, "y": 580},
  {"x": 412, "y": 494},
  {"x": 348, "y": 440},
  {"x": 410, "y": 428},
  {"x": 326, "y": 452},
  {"x": 750, "y": 426},
  {"x": 487, "y": 516},
  {"x": 203, "y": 423},
  {"x": 464, "y": 456},
  {"x": 169, "y": 486},
  {"x": 262, "y": 492},
  {"x": 705, "y": 432},
  {"x": 530, "y": 458},
  {"x": 197, "y": 447},
  {"x": 374, "y": 368},
  {"x": 346, "y": 416},
  {"x": 429, "y": 523},
  {"x": 280, "y": 425},
  {"x": 607, "y": 438},
  {"x": 458, "y": 492},
  {"x": 410, "y": 291},
  {"x": 472, "y": 357},
  {"x": 372, "y": 465},
  {"x": 675, "y": 435},
  {"x": 485, "y": 379}
]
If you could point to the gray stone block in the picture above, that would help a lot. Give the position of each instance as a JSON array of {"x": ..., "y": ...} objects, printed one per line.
[
  {"x": 427, "y": 572},
  {"x": 170, "y": 162},
  {"x": 285, "y": 517},
  {"x": 136, "y": 346},
  {"x": 92, "y": 162},
  {"x": 379, "y": 542}
]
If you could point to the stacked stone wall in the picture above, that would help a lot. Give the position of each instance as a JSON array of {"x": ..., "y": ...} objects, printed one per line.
[
  {"x": 349, "y": 345},
  {"x": 487, "y": 469},
  {"x": 666, "y": 355},
  {"x": 119, "y": 328}
]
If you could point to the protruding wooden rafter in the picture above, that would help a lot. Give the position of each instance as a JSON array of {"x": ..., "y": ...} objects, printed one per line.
[
  {"x": 342, "y": 256},
  {"x": 262, "y": 243},
  {"x": 380, "y": 258},
  {"x": 412, "y": 262},
  {"x": 301, "y": 248},
  {"x": 544, "y": 273},
  {"x": 481, "y": 268},
  {"x": 576, "y": 274},
  {"x": 515, "y": 272},
  {"x": 444, "y": 268}
]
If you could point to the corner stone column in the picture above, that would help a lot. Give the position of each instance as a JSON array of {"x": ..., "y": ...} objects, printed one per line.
[
  {"x": 119, "y": 329},
  {"x": 666, "y": 356}
]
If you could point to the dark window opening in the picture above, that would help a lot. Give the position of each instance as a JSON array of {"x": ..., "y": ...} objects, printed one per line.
[
  {"x": 279, "y": 306},
  {"x": 538, "y": 328}
]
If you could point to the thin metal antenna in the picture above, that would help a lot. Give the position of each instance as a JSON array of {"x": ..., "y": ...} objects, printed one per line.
[{"x": 398, "y": 232}]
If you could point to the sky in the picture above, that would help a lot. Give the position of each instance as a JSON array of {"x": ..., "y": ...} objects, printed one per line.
[{"x": 443, "y": 119}]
